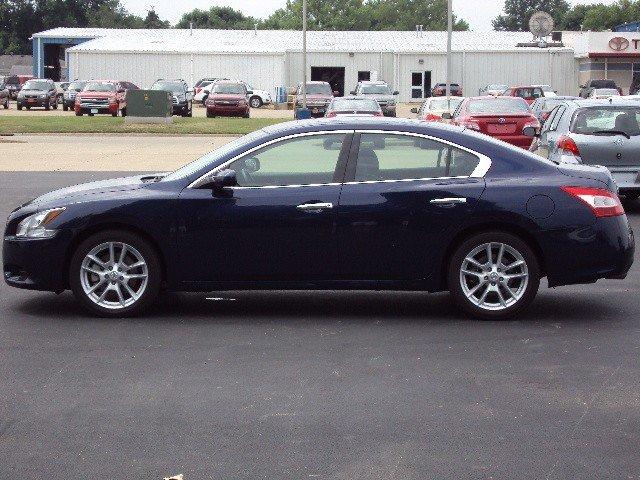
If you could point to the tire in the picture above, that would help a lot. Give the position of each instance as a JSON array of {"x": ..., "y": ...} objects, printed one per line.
[
  {"x": 79, "y": 114},
  {"x": 123, "y": 112},
  {"x": 47, "y": 106},
  {"x": 145, "y": 281},
  {"x": 55, "y": 106},
  {"x": 497, "y": 304},
  {"x": 28, "y": 107},
  {"x": 114, "y": 114},
  {"x": 6, "y": 104},
  {"x": 247, "y": 115},
  {"x": 210, "y": 115},
  {"x": 64, "y": 107},
  {"x": 255, "y": 102},
  {"x": 631, "y": 197},
  {"x": 19, "y": 107}
]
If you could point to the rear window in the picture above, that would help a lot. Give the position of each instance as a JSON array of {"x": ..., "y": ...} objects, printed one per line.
[
  {"x": 441, "y": 103},
  {"x": 606, "y": 91},
  {"x": 607, "y": 121},
  {"x": 229, "y": 89},
  {"x": 319, "y": 89},
  {"x": 175, "y": 87},
  {"x": 498, "y": 106},
  {"x": 355, "y": 105},
  {"x": 376, "y": 90}
]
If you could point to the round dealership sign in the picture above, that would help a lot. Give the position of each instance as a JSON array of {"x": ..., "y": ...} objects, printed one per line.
[
  {"x": 541, "y": 24},
  {"x": 618, "y": 44}
]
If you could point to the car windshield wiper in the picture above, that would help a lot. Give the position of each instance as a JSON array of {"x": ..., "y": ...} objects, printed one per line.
[{"x": 612, "y": 132}]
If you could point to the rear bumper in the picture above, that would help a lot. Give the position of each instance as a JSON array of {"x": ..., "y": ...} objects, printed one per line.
[
  {"x": 521, "y": 141},
  {"x": 35, "y": 264}
]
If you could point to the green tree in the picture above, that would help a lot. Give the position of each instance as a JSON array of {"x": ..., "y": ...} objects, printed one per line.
[
  {"x": 405, "y": 14},
  {"x": 517, "y": 13},
  {"x": 574, "y": 18},
  {"x": 218, "y": 18},
  {"x": 321, "y": 15},
  {"x": 152, "y": 20}
]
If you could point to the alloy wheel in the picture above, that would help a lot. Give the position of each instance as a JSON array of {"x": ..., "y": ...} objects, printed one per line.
[
  {"x": 114, "y": 275},
  {"x": 494, "y": 276}
]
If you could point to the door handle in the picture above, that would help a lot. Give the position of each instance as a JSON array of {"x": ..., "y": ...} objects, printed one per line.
[
  {"x": 448, "y": 201},
  {"x": 315, "y": 207}
]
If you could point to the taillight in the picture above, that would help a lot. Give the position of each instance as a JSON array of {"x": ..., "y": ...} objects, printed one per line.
[
  {"x": 566, "y": 144},
  {"x": 544, "y": 116},
  {"x": 471, "y": 125},
  {"x": 331, "y": 114},
  {"x": 378, "y": 114},
  {"x": 602, "y": 203},
  {"x": 534, "y": 123},
  {"x": 431, "y": 117}
]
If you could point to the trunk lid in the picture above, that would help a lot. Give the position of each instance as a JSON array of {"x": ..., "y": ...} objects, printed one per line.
[
  {"x": 608, "y": 150},
  {"x": 502, "y": 124},
  {"x": 589, "y": 172}
]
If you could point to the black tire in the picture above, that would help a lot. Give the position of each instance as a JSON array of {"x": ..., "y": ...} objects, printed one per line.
[
  {"x": 123, "y": 112},
  {"x": 114, "y": 114},
  {"x": 454, "y": 274},
  {"x": 47, "y": 106},
  {"x": 28, "y": 107},
  {"x": 255, "y": 102},
  {"x": 64, "y": 107},
  {"x": 6, "y": 104},
  {"x": 91, "y": 114},
  {"x": 79, "y": 113},
  {"x": 150, "y": 256},
  {"x": 247, "y": 115},
  {"x": 19, "y": 107},
  {"x": 210, "y": 115},
  {"x": 55, "y": 106}
]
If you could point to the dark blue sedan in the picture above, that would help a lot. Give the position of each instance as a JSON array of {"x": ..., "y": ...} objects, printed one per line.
[{"x": 350, "y": 204}]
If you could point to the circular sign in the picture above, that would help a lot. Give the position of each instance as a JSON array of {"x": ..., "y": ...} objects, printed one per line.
[
  {"x": 541, "y": 24},
  {"x": 618, "y": 44}
]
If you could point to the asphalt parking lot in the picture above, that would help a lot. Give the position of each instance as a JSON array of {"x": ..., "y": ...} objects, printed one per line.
[{"x": 317, "y": 385}]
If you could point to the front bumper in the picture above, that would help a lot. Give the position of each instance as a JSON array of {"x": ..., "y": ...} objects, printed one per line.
[
  {"x": 34, "y": 102},
  {"x": 36, "y": 264},
  {"x": 180, "y": 107},
  {"x": 228, "y": 110},
  {"x": 99, "y": 108}
]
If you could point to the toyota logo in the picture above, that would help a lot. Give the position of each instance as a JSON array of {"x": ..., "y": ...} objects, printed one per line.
[
  {"x": 501, "y": 120},
  {"x": 618, "y": 44}
]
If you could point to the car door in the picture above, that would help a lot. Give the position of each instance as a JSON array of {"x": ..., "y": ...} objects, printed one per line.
[
  {"x": 278, "y": 223},
  {"x": 548, "y": 142},
  {"x": 404, "y": 195}
]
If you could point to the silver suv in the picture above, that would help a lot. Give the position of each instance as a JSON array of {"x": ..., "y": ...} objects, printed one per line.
[{"x": 380, "y": 92}]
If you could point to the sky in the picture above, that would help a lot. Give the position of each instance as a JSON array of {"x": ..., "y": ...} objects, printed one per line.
[{"x": 478, "y": 13}]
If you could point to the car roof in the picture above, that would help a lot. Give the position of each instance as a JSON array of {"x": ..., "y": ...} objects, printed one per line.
[
  {"x": 373, "y": 82},
  {"x": 604, "y": 102}
]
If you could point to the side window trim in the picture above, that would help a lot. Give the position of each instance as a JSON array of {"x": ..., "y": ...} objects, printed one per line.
[
  {"x": 348, "y": 138},
  {"x": 480, "y": 171},
  {"x": 553, "y": 126}
]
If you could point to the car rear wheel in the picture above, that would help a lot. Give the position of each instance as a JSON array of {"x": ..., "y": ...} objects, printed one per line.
[
  {"x": 64, "y": 107},
  {"x": 19, "y": 106},
  {"x": 115, "y": 274},
  {"x": 210, "y": 115},
  {"x": 6, "y": 103},
  {"x": 47, "y": 106},
  {"x": 55, "y": 106},
  {"x": 255, "y": 102},
  {"x": 493, "y": 275}
]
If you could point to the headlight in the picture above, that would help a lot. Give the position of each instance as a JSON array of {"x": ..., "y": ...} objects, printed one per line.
[
  {"x": 43, "y": 95},
  {"x": 34, "y": 226}
]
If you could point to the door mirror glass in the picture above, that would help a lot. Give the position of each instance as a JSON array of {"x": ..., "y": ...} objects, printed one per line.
[
  {"x": 223, "y": 179},
  {"x": 249, "y": 92},
  {"x": 447, "y": 116},
  {"x": 529, "y": 131},
  {"x": 396, "y": 92}
]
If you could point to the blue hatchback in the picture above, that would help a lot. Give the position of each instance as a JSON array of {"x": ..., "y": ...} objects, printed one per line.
[{"x": 348, "y": 204}]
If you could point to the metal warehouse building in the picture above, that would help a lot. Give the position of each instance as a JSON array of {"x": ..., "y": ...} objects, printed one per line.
[{"x": 412, "y": 62}]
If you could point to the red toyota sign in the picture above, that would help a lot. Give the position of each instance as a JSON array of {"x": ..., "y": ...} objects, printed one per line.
[{"x": 618, "y": 44}]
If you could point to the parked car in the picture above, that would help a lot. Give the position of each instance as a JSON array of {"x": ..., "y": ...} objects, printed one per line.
[
  {"x": 603, "y": 93},
  {"x": 504, "y": 118},
  {"x": 433, "y": 108},
  {"x": 381, "y": 93},
  {"x": 493, "y": 89},
  {"x": 354, "y": 107},
  {"x": 181, "y": 95},
  {"x": 103, "y": 97},
  {"x": 202, "y": 92},
  {"x": 411, "y": 204},
  {"x": 4, "y": 95},
  {"x": 529, "y": 93},
  {"x": 440, "y": 90},
  {"x": 319, "y": 96},
  {"x": 596, "y": 132},
  {"x": 61, "y": 87},
  {"x": 228, "y": 98},
  {"x": 547, "y": 90},
  {"x": 69, "y": 97},
  {"x": 39, "y": 92},
  {"x": 542, "y": 107},
  {"x": 14, "y": 84},
  {"x": 203, "y": 82},
  {"x": 258, "y": 98},
  {"x": 585, "y": 90}
]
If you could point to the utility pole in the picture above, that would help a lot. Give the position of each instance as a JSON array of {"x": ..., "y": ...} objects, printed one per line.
[
  {"x": 304, "y": 54},
  {"x": 449, "y": 33}
]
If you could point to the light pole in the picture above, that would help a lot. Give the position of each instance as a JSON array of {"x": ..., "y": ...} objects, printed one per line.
[
  {"x": 449, "y": 33},
  {"x": 304, "y": 54}
]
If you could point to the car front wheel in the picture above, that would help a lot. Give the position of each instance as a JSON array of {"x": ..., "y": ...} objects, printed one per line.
[
  {"x": 493, "y": 275},
  {"x": 255, "y": 102},
  {"x": 115, "y": 274}
]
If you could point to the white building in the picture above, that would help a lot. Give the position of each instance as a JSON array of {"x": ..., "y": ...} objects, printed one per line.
[{"x": 412, "y": 62}]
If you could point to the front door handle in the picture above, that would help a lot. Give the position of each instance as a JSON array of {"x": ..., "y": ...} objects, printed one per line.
[
  {"x": 315, "y": 207},
  {"x": 448, "y": 201}
]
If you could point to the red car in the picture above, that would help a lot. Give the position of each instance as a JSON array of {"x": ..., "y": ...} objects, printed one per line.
[
  {"x": 228, "y": 99},
  {"x": 529, "y": 93},
  {"x": 504, "y": 118},
  {"x": 103, "y": 96}
]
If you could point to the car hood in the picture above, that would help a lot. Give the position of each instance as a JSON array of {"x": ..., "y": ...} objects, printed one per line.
[
  {"x": 379, "y": 97},
  {"x": 77, "y": 193},
  {"x": 220, "y": 96},
  {"x": 96, "y": 94}
]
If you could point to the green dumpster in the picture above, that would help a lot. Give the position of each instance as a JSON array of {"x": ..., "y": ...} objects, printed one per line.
[{"x": 149, "y": 104}]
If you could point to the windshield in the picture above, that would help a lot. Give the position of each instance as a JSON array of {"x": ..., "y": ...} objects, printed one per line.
[
  {"x": 99, "y": 87},
  {"x": 229, "y": 88},
  {"x": 36, "y": 85},
  {"x": 606, "y": 121},
  {"x": 497, "y": 87},
  {"x": 318, "y": 89},
  {"x": 546, "y": 88},
  {"x": 355, "y": 105},
  {"x": 174, "y": 87},
  {"x": 214, "y": 156},
  {"x": 77, "y": 86},
  {"x": 606, "y": 91},
  {"x": 376, "y": 90},
  {"x": 441, "y": 103},
  {"x": 498, "y": 106}
]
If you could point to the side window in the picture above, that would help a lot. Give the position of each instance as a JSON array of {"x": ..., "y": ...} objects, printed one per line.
[
  {"x": 384, "y": 156},
  {"x": 553, "y": 125},
  {"x": 297, "y": 161},
  {"x": 547, "y": 124}
]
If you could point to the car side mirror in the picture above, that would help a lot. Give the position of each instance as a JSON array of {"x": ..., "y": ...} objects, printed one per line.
[
  {"x": 249, "y": 92},
  {"x": 530, "y": 132},
  {"x": 447, "y": 116},
  {"x": 223, "y": 179},
  {"x": 336, "y": 93},
  {"x": 396, "y": 92},
  {"x": 352, "y": 92},
  {"x": 414, "y": 110}
]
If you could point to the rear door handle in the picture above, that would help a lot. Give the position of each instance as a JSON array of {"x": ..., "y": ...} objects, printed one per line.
[
  {"x": 448, "y": 201},
  {"x": 315, "y": 207}
]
